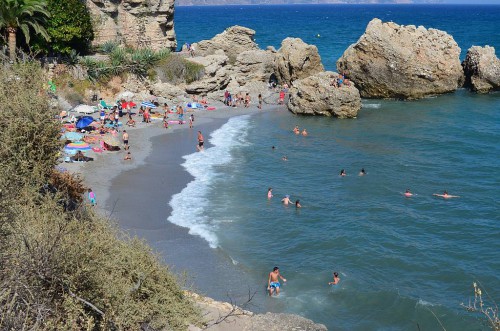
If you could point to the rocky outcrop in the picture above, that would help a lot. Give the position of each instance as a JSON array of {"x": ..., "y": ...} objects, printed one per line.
[
  {"x": 232, "y": 41},
  {"x": 137, "y": 23},
  {"x": 244, "y": 320},
  {"x": 295, "y": 60},
  {"x": 216, "y": 74},
  {"x": 314, "y": 95},
  {"x": 255, "y": 65},
  {"x": 482, "y": 69},
  {"x": 402, "y": 62}
]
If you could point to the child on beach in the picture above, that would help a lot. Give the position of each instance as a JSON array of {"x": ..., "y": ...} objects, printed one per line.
[
  {"x": 260, "y": 102},
  {"x": 191, "y": 120},
  {"x": 92, "y": 197},
  {"x": 128, "y": 156}
]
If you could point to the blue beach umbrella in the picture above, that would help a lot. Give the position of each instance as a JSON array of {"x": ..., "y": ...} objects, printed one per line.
[
  {"x": 148, "y": 104},
  {"x": 84, "y": 122}
]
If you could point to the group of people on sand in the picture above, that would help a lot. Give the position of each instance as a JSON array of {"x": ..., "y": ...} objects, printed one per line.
[
  {"x": 274, "y": 285},
  {"x": 240, "y": 99}
]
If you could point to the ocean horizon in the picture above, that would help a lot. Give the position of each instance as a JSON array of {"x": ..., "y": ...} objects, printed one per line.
[{"x": 404, "y": 263}]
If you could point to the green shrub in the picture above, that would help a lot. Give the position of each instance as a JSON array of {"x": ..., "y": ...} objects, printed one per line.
[
  {"x": 175, "y": 69},
  {"x": 122, "y": 60},
  {"x": 63, "y": 270},
  {"x": 69, "y": 27}
]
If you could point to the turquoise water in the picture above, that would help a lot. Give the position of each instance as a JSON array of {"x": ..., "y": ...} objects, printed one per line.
[{"x": 401, "y": 260}]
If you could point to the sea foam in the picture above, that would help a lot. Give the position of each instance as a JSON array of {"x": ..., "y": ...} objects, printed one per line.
[{"x": 188, "y": 206}]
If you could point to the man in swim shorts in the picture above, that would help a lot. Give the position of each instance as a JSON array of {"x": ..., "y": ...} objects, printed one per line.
[
  {"x": 125, "y": 139},
  {"x": 200, "y": 142},
  {"x": 273, "y": 284}
]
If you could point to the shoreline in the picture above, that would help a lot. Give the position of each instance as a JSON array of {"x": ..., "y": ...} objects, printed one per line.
[{"x": 136, "y": 196}]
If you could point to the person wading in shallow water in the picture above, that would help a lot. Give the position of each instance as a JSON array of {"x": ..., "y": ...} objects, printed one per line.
[
  {"x": 200, "y": 142},
  {"x": 273, "y": 284}
]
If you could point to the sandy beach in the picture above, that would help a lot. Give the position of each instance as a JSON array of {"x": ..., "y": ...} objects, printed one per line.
[{"x": 136, "y": 194}]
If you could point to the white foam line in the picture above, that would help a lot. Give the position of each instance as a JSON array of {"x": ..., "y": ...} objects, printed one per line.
[{"x": 188, "y": 206}]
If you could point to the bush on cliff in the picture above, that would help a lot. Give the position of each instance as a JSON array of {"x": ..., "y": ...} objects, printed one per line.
[
  {"x": 59, "y": 269},
  {"x": 69, "y": 27}
]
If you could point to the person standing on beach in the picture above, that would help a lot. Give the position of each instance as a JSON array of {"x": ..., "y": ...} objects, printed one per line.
[
  {"x": 260, "y": 102},
  {"x": 200, "y": 142},
  {"x": 92, "y": 197},
  {"x": 125, "y": 139},
  {"x": 282, "y": 98},
  {"x": 191, "y": 120},
  {"x": 273, "y": 284},
  {"x": 247, "y": 100}
]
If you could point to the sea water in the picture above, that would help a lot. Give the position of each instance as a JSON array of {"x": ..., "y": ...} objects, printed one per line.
[{"x": 404, "y": 263}]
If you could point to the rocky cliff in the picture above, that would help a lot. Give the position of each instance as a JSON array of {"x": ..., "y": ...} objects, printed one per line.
[
  {"x": 137, "y": 23},
  {"x": 402, "y": 62},
  {"x": 482, "y": 69}
]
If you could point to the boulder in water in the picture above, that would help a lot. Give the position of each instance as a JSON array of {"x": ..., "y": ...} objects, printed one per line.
[
  {"x": 315, "y": 95},
  {"x": 482, "y": 69},
  {"x": 402, "y": 62}
]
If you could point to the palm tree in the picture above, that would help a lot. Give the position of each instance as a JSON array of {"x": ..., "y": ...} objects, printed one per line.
[{"x": 22, "y": 14}]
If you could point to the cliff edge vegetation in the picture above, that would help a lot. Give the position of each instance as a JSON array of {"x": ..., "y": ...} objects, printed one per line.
[{"x": 62, "y": 265}]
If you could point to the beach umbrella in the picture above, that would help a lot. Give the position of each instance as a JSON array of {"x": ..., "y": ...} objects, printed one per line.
[
  {"x": 128, "y": 104},
  {"x": 73, "y": 136},
  {"x": 85, "y": 109},
  {"x": 84, "y": 122},
  {"x": 111, "y": 141},
  {"x": 77, "y": 146},
  {"x": 148, "y": 104}
]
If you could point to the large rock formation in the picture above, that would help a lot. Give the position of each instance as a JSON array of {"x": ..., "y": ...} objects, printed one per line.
[
  {"x": 137, "y": 23},
  {"x": 402, "y": 62},
  {"x": 314, "y": 95},
  {"x": 216, "y": 74},
  {"x": 255, "y": 65},
  {"x": 232, "y": 41},
  {"x": 482, "y": 69},
  {"x": 295, "y": 60}
]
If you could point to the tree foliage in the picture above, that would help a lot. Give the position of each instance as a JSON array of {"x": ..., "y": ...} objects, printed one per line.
[
  {"x": 60, "y": 269},
  {"x": 25, "y": 15},
  {"x": 69, "y": 28}
]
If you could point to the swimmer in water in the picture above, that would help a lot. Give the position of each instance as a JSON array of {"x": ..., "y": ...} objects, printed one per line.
[
  {"x": 342, "y": 173},
  {"x": 273, "y": 148},
  {"x": 362, "y": 172},
  {"x": 304, "y": 133},
  {"x": 445, "y": 195},
  {"x": 336, "y": 279},
  {"x": 297, "y": 204},
  {"x": 273, "y": 284},
  {"x": 286, "y": 200},
  {"x": 296, "y": 129},
  {"x": 408, "y": 193},
  {"x": 284, "y": 158},
  {"x": 270, "y": 193}
]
